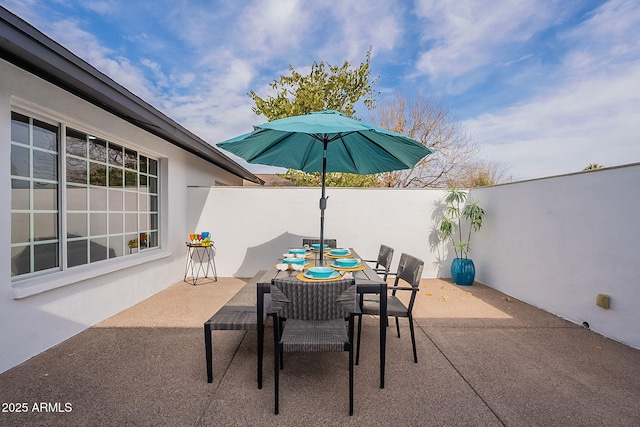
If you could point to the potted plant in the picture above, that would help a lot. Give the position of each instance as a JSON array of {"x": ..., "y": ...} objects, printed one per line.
[
  {"x": 133, "y": 243},
  {"x": 458, "y": 212}
]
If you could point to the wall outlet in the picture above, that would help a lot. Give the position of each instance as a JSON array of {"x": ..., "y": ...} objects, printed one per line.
[{"x": 603, "y": 301}]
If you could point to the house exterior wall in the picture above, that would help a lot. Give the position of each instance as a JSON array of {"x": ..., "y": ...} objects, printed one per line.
[{"x": 79, "y": 300}]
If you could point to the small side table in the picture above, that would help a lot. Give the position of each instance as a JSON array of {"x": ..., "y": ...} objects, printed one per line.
[{"x": 200, "y": 261}]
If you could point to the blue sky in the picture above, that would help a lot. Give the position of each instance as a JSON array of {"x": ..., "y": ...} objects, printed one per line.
[{"x": 545, "y": 87}]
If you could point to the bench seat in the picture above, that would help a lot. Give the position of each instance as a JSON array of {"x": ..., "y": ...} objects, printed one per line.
[{"x": 239, "y": 313}]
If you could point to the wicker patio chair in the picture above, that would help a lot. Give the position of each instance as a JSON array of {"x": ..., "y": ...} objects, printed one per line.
[
  {"x": 315, "y": 314},
  {"x": 331, "y": 242},
  {"x": 409, "y": 271},
  {"x": 383, "y": 262}
]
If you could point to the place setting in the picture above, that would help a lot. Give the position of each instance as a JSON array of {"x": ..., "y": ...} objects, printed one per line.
[
  {"x": 294, "y": 260},
  {"x": 339, "y": 253},
  {"x": 319, "y": 274}
]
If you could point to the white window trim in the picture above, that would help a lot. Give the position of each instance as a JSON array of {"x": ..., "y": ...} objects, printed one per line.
[{"x": 46, "y": 282}]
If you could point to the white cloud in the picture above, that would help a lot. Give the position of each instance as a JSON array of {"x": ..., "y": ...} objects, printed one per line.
[
  {"x": 463, "y": 36},
  {"x": 589, "y": 114},
  {"x": 591, "y": 121}
]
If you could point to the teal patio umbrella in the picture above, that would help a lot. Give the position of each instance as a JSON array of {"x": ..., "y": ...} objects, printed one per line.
[{"x": 327, "y": 141}]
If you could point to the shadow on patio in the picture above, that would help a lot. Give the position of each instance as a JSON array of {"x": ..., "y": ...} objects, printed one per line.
[{"x": 483, "y": 359}]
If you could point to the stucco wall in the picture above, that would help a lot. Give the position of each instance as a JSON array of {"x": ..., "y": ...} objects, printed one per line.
[
  {"x": 251, "y": 225},
  {"x": 558, "y": 242},
  {"x": 555, "y": 243},
  {"x": 33, "y": 324}
]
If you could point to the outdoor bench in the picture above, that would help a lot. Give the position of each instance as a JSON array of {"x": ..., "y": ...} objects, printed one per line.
[{"x": 239, "y": 313}]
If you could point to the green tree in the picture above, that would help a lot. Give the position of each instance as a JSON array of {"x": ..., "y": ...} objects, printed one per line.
[{"x": 326, "y": 87}]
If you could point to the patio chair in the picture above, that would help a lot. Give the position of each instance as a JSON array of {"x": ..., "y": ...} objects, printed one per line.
[
  {"x": 315, "y": 314},
  {"x": 383, "y": 262},
  {"x": 331, "y": 242},
  {"x": 409, "y": 271}
]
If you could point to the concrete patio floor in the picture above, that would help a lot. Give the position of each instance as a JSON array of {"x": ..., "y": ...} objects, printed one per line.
[{"x": 484, "y": 359}]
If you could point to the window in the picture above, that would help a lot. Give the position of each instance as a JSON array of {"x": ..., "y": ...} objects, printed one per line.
[
  {"x": 35, "y": 242},
  {"x": 109, "y": 204}
]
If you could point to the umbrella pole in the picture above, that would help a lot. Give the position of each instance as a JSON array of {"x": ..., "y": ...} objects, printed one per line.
[{"x": 323, "y": 200}]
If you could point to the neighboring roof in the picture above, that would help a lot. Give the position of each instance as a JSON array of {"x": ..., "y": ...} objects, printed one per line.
[
  {"x": 26, "y": 47},
  {"x": 272, "y": 180}
]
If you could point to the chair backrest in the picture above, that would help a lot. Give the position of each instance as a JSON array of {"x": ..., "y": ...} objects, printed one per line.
[
  {"x": 331, "y": 242},
  {"x": 410, "y": 271},
  {"x": 385, "y": 255},
  {"x": 294, "y": 299}
]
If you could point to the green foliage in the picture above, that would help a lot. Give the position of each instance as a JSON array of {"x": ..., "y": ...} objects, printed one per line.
[
  {"x": 592, "y": 166},
  {"x": 333, "y": 179},
  {"x": 457, "y": 211},
  {"x": 326, "y": 87}
]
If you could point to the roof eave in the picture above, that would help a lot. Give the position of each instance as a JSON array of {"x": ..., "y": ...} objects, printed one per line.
[{"x": 26, "y": 47}]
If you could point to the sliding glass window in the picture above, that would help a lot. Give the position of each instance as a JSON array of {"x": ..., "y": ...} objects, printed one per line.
[{"x": 110, "y": 199}]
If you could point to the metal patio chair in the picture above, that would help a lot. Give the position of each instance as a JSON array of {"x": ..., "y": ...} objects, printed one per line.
[
  {"x": 383, "y": 262},
  {"x": 409, "y": 271}
]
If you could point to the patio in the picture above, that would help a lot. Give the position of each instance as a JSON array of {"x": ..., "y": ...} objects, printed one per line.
[{"x": 484, "y": 359}]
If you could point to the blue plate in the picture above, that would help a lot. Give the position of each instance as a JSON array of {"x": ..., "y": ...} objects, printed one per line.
[
  {"x": 339, "y": 252},
  {"x": 331, "y": 276},
  {"x": 346, "y": 262},
  {"x": 321, "y": 272},
  {"x": 297, "y": 251},
  {"x": 316, "y": 246},
  {"x": 293, "y": 261}
]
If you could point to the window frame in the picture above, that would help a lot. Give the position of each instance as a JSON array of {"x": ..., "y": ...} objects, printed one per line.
[{"x": 31, "y": 283}]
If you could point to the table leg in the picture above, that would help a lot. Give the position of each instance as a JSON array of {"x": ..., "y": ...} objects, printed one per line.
[
  {"x": 260, "y": 326},
  {"x": 209, "y": 351},
  {"x": 383, "y": 331}
]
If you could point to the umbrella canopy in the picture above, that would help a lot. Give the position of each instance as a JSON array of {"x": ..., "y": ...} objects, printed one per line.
[{"x": 327, "y": 141}]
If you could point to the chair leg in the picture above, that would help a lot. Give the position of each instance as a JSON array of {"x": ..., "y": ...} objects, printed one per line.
[
  {"x": 276, "y": 371},
  {"x": 398, "y": 327},
  {"x": 359, "y": 333},
  {"x": 351, "y": 364},
  {"x": 351, "y": 380},
  {"x": 280, "y": 323},
  {"x": 413, "y": 339}
]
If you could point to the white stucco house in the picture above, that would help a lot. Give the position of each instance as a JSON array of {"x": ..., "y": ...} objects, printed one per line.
[{"x": 94, "y": 208}]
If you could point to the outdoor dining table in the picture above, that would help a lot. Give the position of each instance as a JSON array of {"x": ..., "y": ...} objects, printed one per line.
[{"x": 367, "y": 282}]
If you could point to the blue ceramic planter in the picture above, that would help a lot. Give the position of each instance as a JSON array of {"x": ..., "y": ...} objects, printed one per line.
[{"x": 463, "y": 272}]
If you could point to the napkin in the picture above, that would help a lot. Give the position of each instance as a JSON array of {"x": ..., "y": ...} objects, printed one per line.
[
  {"x": 285, "y": 267},
  {"x": 347, "y": 275}
]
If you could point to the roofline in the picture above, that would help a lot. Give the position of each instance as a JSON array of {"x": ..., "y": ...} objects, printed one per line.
[{"x": 24, "y": 46}]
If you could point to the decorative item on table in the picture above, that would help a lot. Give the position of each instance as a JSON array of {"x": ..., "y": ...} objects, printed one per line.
[
  {"x": 297, "y": 252},
  {"x": 339, "y": 252},
  {"x": 289, "y": 266},
  {"x": 321, "y": 273},
  {"x": 202, "y": 239},
  {"x": 346, "y": 262}
]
